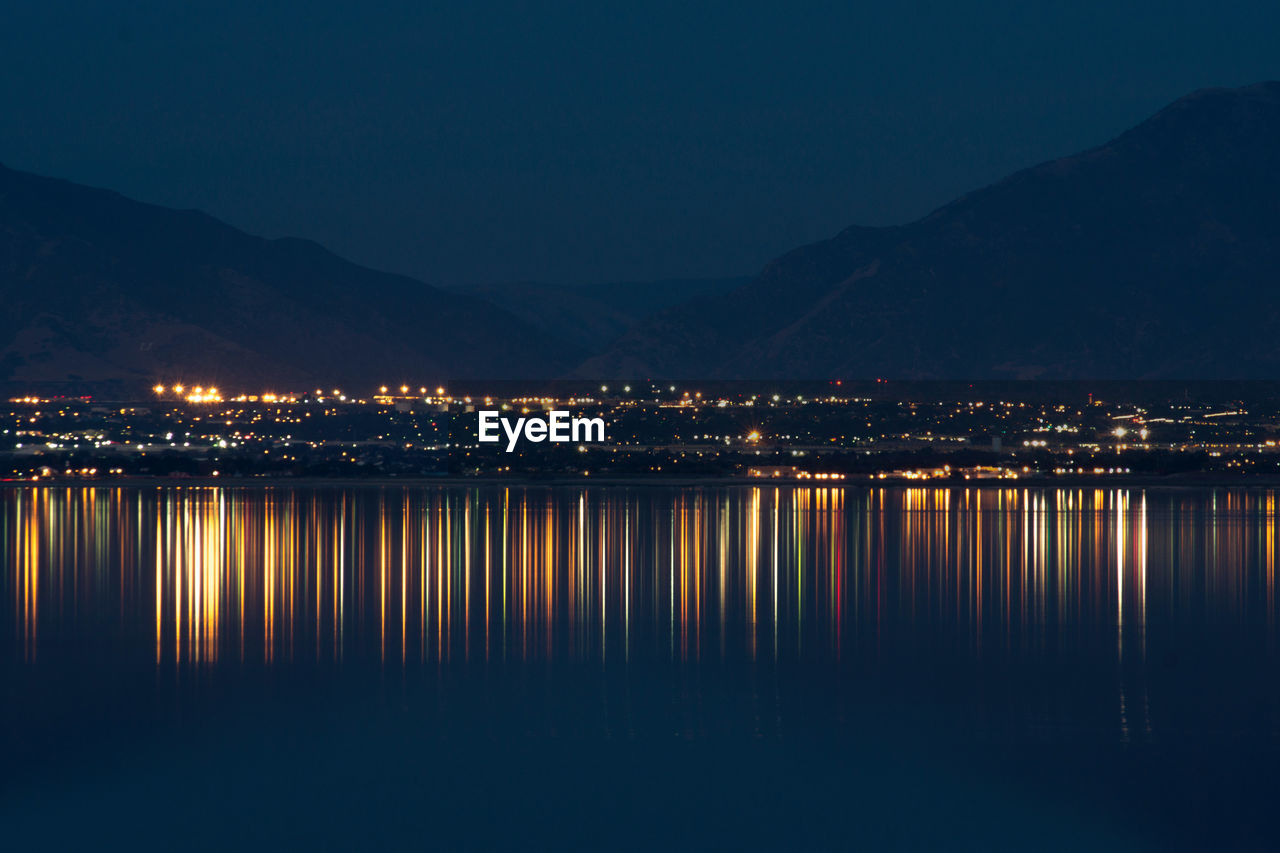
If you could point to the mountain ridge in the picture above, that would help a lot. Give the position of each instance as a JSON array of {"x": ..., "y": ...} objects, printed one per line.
[
  {"x": 104, "y": 290},
  {"x": 1153, "y": 255},
  {"x": 1183, "y": 203}
]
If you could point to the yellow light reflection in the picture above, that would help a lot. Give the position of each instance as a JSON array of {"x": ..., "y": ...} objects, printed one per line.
[{"x": 436, "y": 574}]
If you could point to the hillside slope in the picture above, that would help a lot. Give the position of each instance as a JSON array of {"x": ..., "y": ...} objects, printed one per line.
[
  {"x": 1154, "y": 255},
  {"x": 101, "y": 291}
]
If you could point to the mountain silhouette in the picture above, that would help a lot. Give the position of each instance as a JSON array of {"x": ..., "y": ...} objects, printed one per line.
[
  {"x": 1156, "y": 255},
  {"x": 592, "y": 316},
  {"x": 101, "y": 292}
]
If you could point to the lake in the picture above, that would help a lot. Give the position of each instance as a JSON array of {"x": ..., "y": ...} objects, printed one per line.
[{"x": 634, "y": 667}]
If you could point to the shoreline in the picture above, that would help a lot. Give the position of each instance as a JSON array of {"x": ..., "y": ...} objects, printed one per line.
[{"x": 1181, "y": 481}]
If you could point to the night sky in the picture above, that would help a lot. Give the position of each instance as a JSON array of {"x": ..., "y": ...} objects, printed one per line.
[{"x": 591, "y": 141}]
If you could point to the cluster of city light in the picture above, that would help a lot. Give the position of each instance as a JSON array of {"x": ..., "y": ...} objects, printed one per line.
[
  {"x": 405, "y": 391},
  {"x": 335, "y": 394},
  {"x": 914, "y": 474},
  {"x": 268, "y": 397},
  {"x": 47, "y": 472},
  {"x": 677, "y": 429},
  {"x": 198, "y": 394},
  {"x": 977, "y": 472},
  {"x": 1121, "y": 432}
]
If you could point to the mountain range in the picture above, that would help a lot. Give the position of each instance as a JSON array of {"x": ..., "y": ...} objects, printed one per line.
[
  {"x": 104, "y": 292},
  {"x": 1155, "y": 255}
]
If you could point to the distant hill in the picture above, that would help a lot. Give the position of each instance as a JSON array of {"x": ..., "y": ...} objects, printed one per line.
[
  {"x": 101, "y": 292},
  {"x": 591, "y": 317},
  {"x": 1154, "y": 255}
]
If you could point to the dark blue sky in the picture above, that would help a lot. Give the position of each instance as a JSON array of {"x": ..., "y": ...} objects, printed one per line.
[{"x": 476, "y": 141}]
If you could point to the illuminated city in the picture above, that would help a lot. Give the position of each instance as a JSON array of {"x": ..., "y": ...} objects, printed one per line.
[{"x": 717, "y": 431}]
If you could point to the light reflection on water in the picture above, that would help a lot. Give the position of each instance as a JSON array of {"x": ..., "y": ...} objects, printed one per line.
[
  {"x": 847, "y": 655},
  {"x": 405, "y": 575}
]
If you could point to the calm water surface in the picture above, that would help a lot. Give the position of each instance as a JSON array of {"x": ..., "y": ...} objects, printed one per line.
[{"x": 614, "y": 667}]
